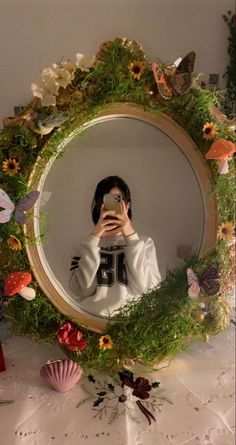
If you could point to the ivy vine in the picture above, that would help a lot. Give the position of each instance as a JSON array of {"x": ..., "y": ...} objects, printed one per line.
[{"x": 230, "y": 74}]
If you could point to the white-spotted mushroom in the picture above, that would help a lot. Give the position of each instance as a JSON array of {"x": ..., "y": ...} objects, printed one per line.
[{"x": 16, "y": 283}]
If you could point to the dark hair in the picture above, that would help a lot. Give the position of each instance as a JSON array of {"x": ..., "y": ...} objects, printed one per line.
[{"x": 105, "y": 186}]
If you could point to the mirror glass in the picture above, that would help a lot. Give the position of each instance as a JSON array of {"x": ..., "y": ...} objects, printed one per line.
[{"x": 167, "y": 203}]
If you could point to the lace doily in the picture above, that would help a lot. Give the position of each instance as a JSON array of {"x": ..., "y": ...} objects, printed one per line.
[{"x": 199, "y": 383}]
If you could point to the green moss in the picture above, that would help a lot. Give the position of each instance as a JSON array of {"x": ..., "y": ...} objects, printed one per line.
[{"x": 36, "y": 319}]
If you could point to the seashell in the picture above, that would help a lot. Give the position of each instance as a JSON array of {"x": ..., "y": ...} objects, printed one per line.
[{"x": 61, "y": 374}]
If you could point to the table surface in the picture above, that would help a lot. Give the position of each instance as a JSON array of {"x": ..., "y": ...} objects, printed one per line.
[{"x": 199, "y": 384}]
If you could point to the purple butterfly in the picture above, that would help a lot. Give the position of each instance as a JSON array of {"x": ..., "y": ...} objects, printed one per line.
[
  {"x": 207, "y": 282},
  {"x": 19, "y": 209}
]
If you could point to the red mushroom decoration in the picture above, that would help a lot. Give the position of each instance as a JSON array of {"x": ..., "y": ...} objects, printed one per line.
[
  {"x": 221, "y": 149},
  {"x": 16, "y": 283}
]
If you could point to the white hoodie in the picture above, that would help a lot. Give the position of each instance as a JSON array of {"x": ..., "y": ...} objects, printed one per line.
[{"x": 107, "y": 272}]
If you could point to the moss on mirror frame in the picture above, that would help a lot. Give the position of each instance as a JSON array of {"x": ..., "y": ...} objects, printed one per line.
[{"x": 140, "y": 337}]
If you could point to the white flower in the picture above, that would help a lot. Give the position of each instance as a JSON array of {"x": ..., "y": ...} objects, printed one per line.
[
  {"x": 58, "y": 75},
  {"x": 45, "y": 93},
  {"x": 49, "y": 72},
  {"x": 84, "y": 62},
  {"x": 70, "y": 67},
  {"x": 62, "y": 75},
  {"x": 38, "y": 89},
  {"x": 49, "y": 81},
  {"x": 47, "y": 89},
  {"x": 48, "y": 99}
]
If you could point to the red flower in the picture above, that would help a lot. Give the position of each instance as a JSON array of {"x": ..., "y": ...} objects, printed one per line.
[
  {"x": 67, "y": 326},
  {"x": 71, "y": 337},
  {"x": 75, "y": 341},
  {"x": 142, "y": 388},
  {"x": 63, "y": 332}
]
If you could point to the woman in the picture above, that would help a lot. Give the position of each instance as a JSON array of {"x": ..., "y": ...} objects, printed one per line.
[{"x": 113, "y": 264}]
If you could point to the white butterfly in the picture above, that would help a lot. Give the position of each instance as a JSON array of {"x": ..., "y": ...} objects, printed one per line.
[
  {"x": 19, "y": 209},
  {"x": 194, "y": 289}
]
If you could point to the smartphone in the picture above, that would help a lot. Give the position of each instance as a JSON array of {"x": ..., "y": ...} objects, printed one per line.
[{"x": 112, "y": 202}]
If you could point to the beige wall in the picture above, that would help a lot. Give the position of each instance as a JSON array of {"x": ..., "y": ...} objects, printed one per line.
[{"x": 35, "y": 33}]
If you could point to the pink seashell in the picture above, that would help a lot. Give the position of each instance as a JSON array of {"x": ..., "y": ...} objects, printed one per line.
[{"x": 61, "y": 374}]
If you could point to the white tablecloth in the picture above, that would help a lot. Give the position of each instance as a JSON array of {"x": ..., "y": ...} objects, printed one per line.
[{"x": 199, "y": 383}]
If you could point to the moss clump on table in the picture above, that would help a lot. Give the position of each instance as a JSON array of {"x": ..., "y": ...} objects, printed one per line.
[{"x": 161, "y": 323}]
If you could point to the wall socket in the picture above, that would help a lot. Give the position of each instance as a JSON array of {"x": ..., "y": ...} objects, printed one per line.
[{"x": 214, "y": 79}]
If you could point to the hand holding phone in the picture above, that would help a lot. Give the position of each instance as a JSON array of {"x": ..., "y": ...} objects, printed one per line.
[
  {"x": 114, "y": 217},
  {"x": 126, "y": 227},
  {"x": 107, "y": 224}
]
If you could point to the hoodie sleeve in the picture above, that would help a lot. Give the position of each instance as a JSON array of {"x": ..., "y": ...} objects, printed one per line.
[
  {"x": 141, "y": 264},
  {"x": 84, "y": 266}
]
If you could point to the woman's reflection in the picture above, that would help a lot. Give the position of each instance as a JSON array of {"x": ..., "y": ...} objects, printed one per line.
[{"x": 113, "y": 264}]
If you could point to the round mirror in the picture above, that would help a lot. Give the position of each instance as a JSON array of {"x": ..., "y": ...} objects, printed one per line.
[{"x": 168, "y": 180}]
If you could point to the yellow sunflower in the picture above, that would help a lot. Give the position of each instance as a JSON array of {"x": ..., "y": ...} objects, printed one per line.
[
  {"x": 14, "y": 243},
  {"x": 10, "y": 166},
  {"x": 105, "y": 342},
  {"x": 209, "y": 131},
  {"x": 226, "y": 231},
  {"x": 137, "y": 68}
]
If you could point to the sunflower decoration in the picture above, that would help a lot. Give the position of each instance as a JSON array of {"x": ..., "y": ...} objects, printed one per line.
[
  {"x": 226, "y": 231},
  {"x": 11, "y": 166},
  {"x": 105, "y": 342},
  {"x": 209, "y": 131},
  {"x": 14, "y": 243},
  {"x": 137, "y": 68}
]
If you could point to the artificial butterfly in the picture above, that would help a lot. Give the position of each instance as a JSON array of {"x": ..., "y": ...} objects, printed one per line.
[
  {"x": 175, "y": 80},
  {"x": 23, "y": 205},
  {"x": 207, "y": 282}
]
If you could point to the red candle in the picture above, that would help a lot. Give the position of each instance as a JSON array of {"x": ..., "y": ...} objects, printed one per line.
[{"x": 2, "y": 361}]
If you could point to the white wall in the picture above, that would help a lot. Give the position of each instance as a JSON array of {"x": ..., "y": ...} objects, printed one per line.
[{"x": 35, "y": 33}]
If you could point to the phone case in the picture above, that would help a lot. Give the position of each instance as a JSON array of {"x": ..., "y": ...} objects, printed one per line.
[{"x": 112, "y": 202}]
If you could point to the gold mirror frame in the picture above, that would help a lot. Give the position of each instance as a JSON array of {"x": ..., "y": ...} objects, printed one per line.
[{"x": 192, "y": 153}]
